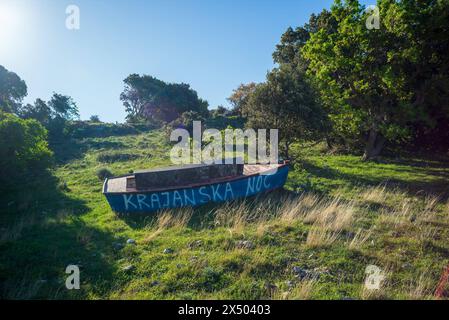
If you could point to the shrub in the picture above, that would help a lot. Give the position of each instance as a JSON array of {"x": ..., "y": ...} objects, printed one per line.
[
  {"x": 94, "y": 118},
  {"x": 104, "y": 173},
  {"x": 24, "y": 150}
]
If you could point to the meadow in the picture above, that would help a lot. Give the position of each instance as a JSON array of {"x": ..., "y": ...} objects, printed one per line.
[{"x": 313, "y": 240}]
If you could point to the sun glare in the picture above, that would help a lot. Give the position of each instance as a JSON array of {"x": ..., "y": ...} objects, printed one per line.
[{"x": 9, "y": 23}]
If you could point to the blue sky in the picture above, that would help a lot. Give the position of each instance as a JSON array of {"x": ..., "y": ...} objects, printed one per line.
[{"x": 214, "y": 45}]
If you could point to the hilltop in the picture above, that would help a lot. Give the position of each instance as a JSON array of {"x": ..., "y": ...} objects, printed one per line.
[{"x": 315, "y": 239}]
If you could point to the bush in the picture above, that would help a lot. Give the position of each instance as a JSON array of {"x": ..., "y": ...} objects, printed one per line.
[
  {"x": 104, "y": 173},
  {"x": 94, "y": 118},
  {"x": 24, "y": 150}
]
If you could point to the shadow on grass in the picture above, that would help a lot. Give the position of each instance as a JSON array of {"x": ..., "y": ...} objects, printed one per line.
[
  {"x": 72, "y": 149},
  {"x": 42, "y": 233}
]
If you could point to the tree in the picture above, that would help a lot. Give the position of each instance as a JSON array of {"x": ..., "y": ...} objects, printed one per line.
[
  {"x": 240, "y": 96},
  {"x": 424, "y": 25},
  {"x": 63, "y": 107},
  {"x": 39, "y": 111},
  {"x": 361, "y": 73},
  {"x": 94, "y": 118},
  {"x": 286, "y": 102},
  {"x": 288, "y": 51},
  {"x": 23, "y": 149},
  {"x": 219, "y": 111},
  {"x": 148, "y": 98},
  {"x": 12, "y": 90}
]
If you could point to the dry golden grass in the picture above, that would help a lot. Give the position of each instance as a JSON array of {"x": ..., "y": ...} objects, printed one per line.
[
  {"x": 319, "y": 236},
  {"x": 234, "y": 218},
  {"x": 301, "y": 291},
  {"x": 328, "y": 219},
  {"x": 359, "y": 239},
  {"x": 294, "y": 209},
  {"x": 334, "y": 214},
  {"x": 166, "y": 220},
  {"x": 376, "y": 194},
  {"x": 422, "y": 288}
]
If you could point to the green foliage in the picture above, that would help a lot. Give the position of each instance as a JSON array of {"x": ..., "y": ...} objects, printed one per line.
[
  {"x": 239, "y": 97},
  {"x": 23, "y": 150},
  {"x": 221, "y": 122},
  {"x": 55, "y": 114},
  {"x": 12, "y": 90},
  {"x": 372, "y": 76},
  {"x": 219, "y": 111},
  {"x": 63, "y": 107},
  {"x": 94, "y": 118},
  {"x": 146, "y": 97},
  {"x": 286, "y": 102},
  {"x": 40, "y": 111},
  {"x": 103, "y": 173}
]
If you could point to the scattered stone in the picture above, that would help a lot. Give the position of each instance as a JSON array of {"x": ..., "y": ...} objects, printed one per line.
[
  {"x": 194, "y": 258},
  {"x": 129, "y": 268},
  {"x": 118, "y": 246},
  {"x": 349, "y": 235},
  {"x": 290, "y": 284},
  {"x": 180, "y": 265},
  {"x": 301, "y": 273},
  {"x": 154, "y": 283},
  {"x": 245, "y": 244},
  {"x": 321, "y": 270},
  {"x": 407, "y": 265},
  {"x": 195, "y": 244},
  {"x": 168, "y": 251},
  {"x": 270, "y": 286},
  {"x": 131, "y": 241}
]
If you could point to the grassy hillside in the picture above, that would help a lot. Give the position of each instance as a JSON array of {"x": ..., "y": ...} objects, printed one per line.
[{"x": 313, "y": 240}]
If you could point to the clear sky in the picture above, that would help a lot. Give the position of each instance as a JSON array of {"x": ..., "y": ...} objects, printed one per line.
[{"x": 214, "y": 45}]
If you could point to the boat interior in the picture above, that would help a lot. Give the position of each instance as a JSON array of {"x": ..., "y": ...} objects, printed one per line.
[{"x": 183, "y": 177}]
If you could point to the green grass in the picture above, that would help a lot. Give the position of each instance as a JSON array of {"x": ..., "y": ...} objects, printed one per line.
[{"x": 62, "y": 218}]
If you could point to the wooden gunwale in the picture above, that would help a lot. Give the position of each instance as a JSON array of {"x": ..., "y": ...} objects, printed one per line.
[{"x": 187, "y": 186}]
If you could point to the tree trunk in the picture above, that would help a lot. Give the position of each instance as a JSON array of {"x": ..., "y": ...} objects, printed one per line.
[
  {"x": 329, "y": 143},
  {"x": 374, "y": 145},
  {"x": 287, "y": 147}
]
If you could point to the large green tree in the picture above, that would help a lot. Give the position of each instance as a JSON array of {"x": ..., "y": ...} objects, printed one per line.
[
  {"x": 146, "y": 97},
  {"x": 286, "y": 102},
  {"x": 288, "y": 51},
  {"x": 39, "y": 111},
  {"x": 239, "y": 97},
  {"x": 374, "y": 81},
  {"x": 12, "y": 90}
]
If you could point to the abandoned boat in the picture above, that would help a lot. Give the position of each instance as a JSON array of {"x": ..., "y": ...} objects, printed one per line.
[{"x": 191, "y": 185}]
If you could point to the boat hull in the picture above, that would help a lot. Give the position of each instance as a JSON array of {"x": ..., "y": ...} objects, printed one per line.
[{"x": 245, "y": 186}]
